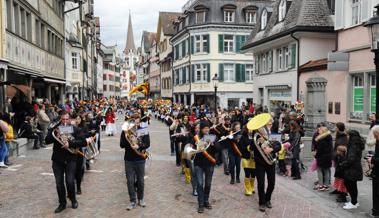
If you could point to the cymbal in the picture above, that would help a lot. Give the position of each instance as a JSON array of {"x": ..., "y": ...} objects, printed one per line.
[{"x": 258, "y": 121}]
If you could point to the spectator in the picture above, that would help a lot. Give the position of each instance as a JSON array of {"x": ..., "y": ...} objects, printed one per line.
[
  {"x": 9, "y": 136},
  {"x": 27, "y": 131},
  {"x": 324, "y": 153},
  {"x": 3, "y": 147},
  {"x": 294, "y": 140},
  {"x": 352, "y": 167},
  {"x": 43, "y": 120},
  {"x": 375, "y": 173}
]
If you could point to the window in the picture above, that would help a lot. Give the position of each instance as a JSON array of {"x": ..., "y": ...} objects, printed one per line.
[
  {"x": 29, "y": 27},
  {"x": 9, "y": 15},
  {"x": 249, "y": 71},
  {"x": 356, "y": 12},
  {"x": 181, "y": 76},
  {"x": 264, "y": 19},
  {"x": 372, "y": 93},
  {"x": 205, "y": 43},
  {"x": 251, "y": 17},
  {"x": 16, "y": 15},
  {"x": 38, "y": 33},
  {"x": 229, "y": 74},
  {"x": 197, "y": 44},
  {"x": 104, "y": 77},
  {"x": 201, "y": 72},
  {"x": 74, "y": 58},
  {"x": 43, "y": 43},
  {"x": 187, "y": 21},
  {"x": 200, "y": 17},
  {"x": 228, "y": 16},
  {"x": 286, "y": 57},
  {"x": 280, "y": 59},
  {"x": 105, "y": 88},
  {"x": 358, "y": 96},
  {"x": 23, "y": 23},
  {"x": 228, "y": 43},
  {"x": 282, "y": 10}
]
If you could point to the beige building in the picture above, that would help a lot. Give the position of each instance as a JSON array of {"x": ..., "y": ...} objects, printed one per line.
[{"x": 34, "y": 46}]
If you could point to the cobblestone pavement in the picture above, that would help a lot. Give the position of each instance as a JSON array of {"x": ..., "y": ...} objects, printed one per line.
[{"x": 27, "y": 189}]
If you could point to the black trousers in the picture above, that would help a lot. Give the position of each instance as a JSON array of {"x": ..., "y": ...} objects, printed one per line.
[
  {"x": 65, "y": 171},
  {"x": 177, "y": 153},
  {"x": 261, "y": 171},
  {"x": 135, "y": 175},
  {"x": 295, "y": 171},
  {"x": 172, "y": 145},
  {"x": 375, "y": 196},
  {"x": 352, "y": 188},
  {"x": 79, "y": 172}
]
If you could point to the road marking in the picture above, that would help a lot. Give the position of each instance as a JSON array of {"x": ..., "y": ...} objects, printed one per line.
[
  {"x": 95, "y": 171},
  {"x": 116, "y": 171},
  {"x": 48, "y": 148},
  {"x": 47, "y": 174},
  {"x": 22, "y": 156}
]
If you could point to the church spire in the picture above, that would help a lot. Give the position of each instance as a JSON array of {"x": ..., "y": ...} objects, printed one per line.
[{"x": 130, "y": 47}]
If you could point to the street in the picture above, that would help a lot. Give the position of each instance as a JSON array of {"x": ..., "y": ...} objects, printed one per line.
[{"x": 27, "y": 189}]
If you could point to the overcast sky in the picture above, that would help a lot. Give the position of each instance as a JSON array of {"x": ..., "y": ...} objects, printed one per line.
[{"x": 114, "y": 18}]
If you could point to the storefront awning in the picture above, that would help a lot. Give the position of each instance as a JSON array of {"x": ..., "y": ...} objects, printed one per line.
[
  {"x": 54, "y": 81},
  {"x": 279, "y": 87}
]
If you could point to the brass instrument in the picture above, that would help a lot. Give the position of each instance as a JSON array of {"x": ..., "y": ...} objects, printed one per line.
[
  {"x": 263, "y": 144},
  {"x": 91, "y": 151},
  {"x": 131, "y": 136},
  {"x": 63, "y": 134},
  {"x": 201, "y": 146}
]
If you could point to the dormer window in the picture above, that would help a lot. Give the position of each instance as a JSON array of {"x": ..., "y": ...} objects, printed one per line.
[
  {"x": 282, "y": 10},
  {"x": 229, "y": 16},
  {"x": 251, "y": 17},
  {"x": 200, "y": 17},
  {"x": 264, "y": 19}
]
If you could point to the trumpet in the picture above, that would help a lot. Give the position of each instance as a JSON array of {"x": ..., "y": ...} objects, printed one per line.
[{"x": 63, "y": 134}]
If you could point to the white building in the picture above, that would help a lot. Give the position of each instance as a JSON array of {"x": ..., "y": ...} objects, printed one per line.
[
  {"x": 109, "y": 70},
  {"x": 207, "y": 42}
]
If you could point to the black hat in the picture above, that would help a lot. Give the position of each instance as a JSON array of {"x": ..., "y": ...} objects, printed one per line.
[{"x": 203, "y": 124}]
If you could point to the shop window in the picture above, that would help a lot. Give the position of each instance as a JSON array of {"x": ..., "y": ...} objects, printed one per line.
[
  {"x": 358, "y": 97},
  {"x": 337, "y": 108}
]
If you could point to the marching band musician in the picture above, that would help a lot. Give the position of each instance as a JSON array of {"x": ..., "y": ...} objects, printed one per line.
[
  {"x": 234, "y": 153},
  {"x": 262, "y": 166},
  {"x": 204, "y": 163},
  {"x": 175, "y": 128},
  {"x": 224, "y": 130},
  {"x": 64, "y": 162},
  {"x": 135, "y": 160},
  {"x": 248, "y": 162}
]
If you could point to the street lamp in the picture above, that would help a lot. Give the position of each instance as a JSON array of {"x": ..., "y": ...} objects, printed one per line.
[
  {"x": 373, "y": 27},
  {"x": 215, "y": 85}
]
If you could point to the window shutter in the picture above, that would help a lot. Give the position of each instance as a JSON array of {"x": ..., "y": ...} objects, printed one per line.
[
  {"x": 188, "y": 46},
  {"x": 243, "y": 72},
  {"x": 192, "y": 44},
  {"x": 208, "y": 72},
  {"x": 184, "y": 43},
  {"x": 270, "y": 61},
  {"x": 237, "y": 42},
  {"x": 193, "y": 72},
  {"x": 221, "y": 72},
  {"x": 184, "y": 75},
  {"x": 221, "y": 43},
  {"x": 339, "y": 14},
  {"x": 293, "y": 56},
  {"x": 238, "y": 72},
  {"x": 208, "y": 43},
  {"x": 366, "y": 11}
]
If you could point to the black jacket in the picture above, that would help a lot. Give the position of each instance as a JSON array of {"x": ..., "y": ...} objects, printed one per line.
[
  {"x": 294, "y": 140},
  {"x": 60, "y": 154},
  {"x": 341, "y": 139},
  {"x": 26, "y": 130},
  {"x": 352, "y": 165},
  {"x": 324, "y": 150},
  {"x": 130, "y": 154},
  {"x": 375, "y": 161},
  {"x": 246, "y": 144}
]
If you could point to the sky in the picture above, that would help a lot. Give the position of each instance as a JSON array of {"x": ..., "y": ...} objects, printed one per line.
[{"x": 114, "y": 18}]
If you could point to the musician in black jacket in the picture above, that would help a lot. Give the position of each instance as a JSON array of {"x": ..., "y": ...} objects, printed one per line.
[
  {"x": 135, "y": 160},
  {"x": 263, "y": 167},
  {"x": 204, "y": 163},
  {"x": 64, "y": 162}
]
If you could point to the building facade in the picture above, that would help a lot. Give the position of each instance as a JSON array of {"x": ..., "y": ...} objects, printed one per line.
[
  {"x": 148, "y": 41},
  {"x": 111, "y": 70},
  {"x": 207, "y": 42},
  {"x": 165, "y": 31},
  {"x": 352, "y": 75},
  {"x": 288, "y": 35},
  {"x": 34, "y": 47}
]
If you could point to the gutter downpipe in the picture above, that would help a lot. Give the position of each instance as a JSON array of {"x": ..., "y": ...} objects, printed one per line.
[
  {"x": 190, "y": 66},
  {"x": 297, "y": 65}
]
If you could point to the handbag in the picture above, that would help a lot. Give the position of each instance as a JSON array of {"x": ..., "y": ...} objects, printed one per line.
[{"x": 314, "y": 165}]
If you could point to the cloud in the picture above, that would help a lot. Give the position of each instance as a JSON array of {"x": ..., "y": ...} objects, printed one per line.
[{"x": 114, "y": 18}]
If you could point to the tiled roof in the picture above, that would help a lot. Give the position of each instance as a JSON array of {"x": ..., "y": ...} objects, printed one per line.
[
  {"x": 314, "y": 65},
  {"x": 167, "y": 19},
  {"x": 312, "y": 14}
]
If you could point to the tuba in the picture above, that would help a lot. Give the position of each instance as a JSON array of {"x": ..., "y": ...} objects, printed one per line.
[
  {"x": 91, "y": 151},
  {"x": 261, "y": 145}
]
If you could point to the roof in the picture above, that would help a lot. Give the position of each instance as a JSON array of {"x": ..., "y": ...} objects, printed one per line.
[
  {"x": 130, "y": 46},
  {"x": 148, "y": 39},
  {"x": 321, "y": 64},
  {"x": 166, "y": 20},
  {"x": 305, "y": 15}
]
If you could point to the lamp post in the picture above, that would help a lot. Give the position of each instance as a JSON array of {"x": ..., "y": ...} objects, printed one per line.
[
  {"x": 373, "y": 28},
  {"x": 215, "y": 85}
]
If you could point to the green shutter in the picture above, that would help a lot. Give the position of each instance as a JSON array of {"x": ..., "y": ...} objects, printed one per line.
[
  {"x": 208, "y": 72},
  {"x": 221, "y": 43},
  {"x": 237, "y": 42},
  {"x": 184, "y": 48},
  {"x": 243, "y": 72},
  {"x": 208, "y": 43},
  {"x": 192, "y": 44},
  {"x": 193, "y": 72},
  {"x": 221, "y": 72},
  {"x": 184, "y": 75},
  {"x": 238, "y": 72},
  {"x": 293, "y": 56}
]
